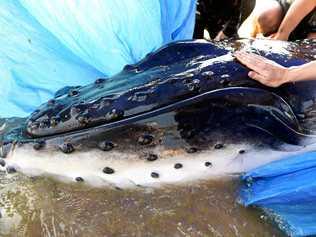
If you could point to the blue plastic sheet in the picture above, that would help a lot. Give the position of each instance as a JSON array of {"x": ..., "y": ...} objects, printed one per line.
[
  {"x": 287, "y": 190},
  {"x": 46, "y": 45}
]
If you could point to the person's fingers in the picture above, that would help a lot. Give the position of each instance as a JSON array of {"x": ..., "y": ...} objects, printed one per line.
[
  {"x": 247, "y": 57},
  {"x": 258, "y": 58},
  {"x": 258, "y": 77},
  {"x": 258, "y": 63},
  {"x": 247, "y": 62},
  {"x": 251, "y": 61},
  {"x": 264, "y": 66},
  {"x": 243, "y": 57}
]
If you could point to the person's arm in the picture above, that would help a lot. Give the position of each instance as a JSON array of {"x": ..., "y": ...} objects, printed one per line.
[
  {"x": 296, "y": 13},
  {"x": 302, "y": 73},
  {"x": 272, "y": 74}
]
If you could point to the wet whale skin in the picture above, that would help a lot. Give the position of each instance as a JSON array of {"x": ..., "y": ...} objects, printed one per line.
[{"x": 195, "y": 85}]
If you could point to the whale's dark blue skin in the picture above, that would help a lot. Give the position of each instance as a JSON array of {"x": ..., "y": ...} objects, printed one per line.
[{"x": 197, "y": 85}]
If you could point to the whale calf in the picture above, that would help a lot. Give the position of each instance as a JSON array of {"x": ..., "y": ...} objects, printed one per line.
[{"x": 187, "y": 111}]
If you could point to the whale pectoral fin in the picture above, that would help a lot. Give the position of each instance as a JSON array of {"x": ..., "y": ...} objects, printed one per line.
[{"x": 266, "y": 111}]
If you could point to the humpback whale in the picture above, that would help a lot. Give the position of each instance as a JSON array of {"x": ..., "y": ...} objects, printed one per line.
[{"x": 186, "y": 111}]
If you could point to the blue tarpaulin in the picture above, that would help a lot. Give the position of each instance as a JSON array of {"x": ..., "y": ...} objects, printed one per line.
[
  {"x": 286, "y": 189},
  {"x": 46, "y": 45}
]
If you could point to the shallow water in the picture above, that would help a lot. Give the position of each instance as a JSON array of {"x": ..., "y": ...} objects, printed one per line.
[
  {"x": 40, "y": 206},
  {"x": 43, "y": 207}
]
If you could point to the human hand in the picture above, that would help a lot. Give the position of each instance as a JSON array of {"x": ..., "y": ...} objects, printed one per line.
[{"x": 264, "y": 70}]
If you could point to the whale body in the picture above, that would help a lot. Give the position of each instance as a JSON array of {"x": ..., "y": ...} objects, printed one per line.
[{"x": 188, "y": 111}]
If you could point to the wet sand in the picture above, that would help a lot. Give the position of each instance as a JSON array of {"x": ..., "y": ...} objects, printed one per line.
[{"x": 44, "y": 207}]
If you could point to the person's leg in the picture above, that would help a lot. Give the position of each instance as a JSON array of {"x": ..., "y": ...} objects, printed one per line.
[
  {"x": 265, "y": 19},
  {"x": 270, "y": 18},
  {"x": 200, "y": 21},
  {"x": 211, "y": 16},
  {"x": 199, "y": 28}
]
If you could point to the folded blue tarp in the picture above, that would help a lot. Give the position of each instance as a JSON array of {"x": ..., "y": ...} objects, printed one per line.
[
  {"x": 46, "y": 45},
  {"x": 287, "y": 190}
]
